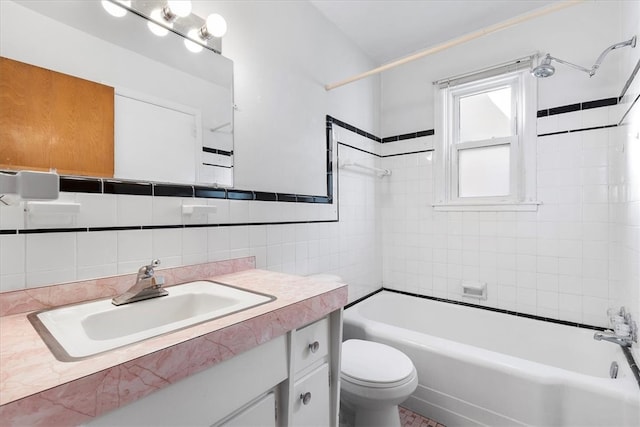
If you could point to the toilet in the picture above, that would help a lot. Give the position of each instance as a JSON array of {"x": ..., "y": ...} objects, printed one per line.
[{"x": 374, "y": 379}]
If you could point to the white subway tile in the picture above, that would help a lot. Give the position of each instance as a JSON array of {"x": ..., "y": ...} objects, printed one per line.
[
  {"x": 134, "y": 210},
  {"x": 12, "y": 217},
  {"x": 168, "y": 211},
  {"x": 50, "y": 252},
  {"x": 45, "y": 278},
  {"x": 12, "y": 254},
  {"x": 134, "y": 248},
  {"x": 570, "y": 284},
  {"x": 569, "y": 121},
  {"x": 218, "y": 239},
  {"x": 238, "y": 237},
  {"x": 167, "y": 243},
  {"x": 96, "y": 249},
  {"x": 94, "y": 272},
  {"x": 195, "y": 242},
  {"x": 97, "y": 210}
]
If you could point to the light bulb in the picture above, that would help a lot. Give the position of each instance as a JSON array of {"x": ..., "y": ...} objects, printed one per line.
[
  {"x": 115, "y": 10},
  {"x": 189, "y": 42},
  {"x": 182, "y": 8},
  {"x": 215, "y": 26},
  {"x": 158, "y": 30}
]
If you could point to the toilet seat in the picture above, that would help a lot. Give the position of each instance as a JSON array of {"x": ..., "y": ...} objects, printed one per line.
[{"x": 375, "y": 365}]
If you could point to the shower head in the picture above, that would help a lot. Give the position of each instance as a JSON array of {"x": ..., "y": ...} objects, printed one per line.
[{"x": 545, "y": 69}]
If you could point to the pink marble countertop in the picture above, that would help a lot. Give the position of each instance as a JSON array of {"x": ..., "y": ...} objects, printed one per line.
[{"x": 38, "y": 389}]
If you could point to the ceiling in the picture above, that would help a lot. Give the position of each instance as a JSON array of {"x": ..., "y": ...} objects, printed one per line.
[{"x": 389, "y": 29}]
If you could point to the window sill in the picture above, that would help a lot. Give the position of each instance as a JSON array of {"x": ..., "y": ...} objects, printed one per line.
[{"x": 487, "y": 207}]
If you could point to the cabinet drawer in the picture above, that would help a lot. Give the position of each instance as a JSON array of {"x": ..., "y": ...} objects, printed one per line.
[
  {"x": 311, "y": 344},
  {"x": 311, "y": 399}
]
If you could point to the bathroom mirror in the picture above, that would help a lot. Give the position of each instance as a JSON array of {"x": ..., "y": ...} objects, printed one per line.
[{"x": 173, "y": 107}]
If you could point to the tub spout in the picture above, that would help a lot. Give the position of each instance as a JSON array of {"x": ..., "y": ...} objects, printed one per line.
[{"x": 612, "y": 337}]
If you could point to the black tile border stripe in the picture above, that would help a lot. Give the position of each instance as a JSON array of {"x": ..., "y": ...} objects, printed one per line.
[
  {"x": 217, "y": 151},
  {"x": 154, "y": 227},
  {"x": 605, "y": 102},
  {"x": 394, "y": 138},
  {"x": 172, "y": 190},
  {"x": 80, "y": 185},
  {"x": 217, "y": 166},
  {"x": 429, "y": 150},
  {"x": 578, "y": 130},
  {"x": 125, "y": 187}
]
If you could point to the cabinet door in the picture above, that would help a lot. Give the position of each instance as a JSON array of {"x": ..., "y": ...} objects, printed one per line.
[
  {"x": 260, "y": 414},
  {"x": 311, "y": 399}
]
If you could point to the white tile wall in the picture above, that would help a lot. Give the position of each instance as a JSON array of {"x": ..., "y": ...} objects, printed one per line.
[
  {"x": 555, "y": 262},
  {"x": 349, "y": 248}
]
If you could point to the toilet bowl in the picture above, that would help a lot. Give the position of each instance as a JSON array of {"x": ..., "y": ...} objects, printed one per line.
[{"x": 374, "y": 379}]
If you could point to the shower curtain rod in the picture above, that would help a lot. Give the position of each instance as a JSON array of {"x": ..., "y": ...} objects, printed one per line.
[{"x": 454, "y": 42}]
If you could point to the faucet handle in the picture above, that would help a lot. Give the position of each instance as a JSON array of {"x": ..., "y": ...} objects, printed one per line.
[
  {"x": 147, "y": 270},
  {"x": 158, "y": 281},
  {"x": 154, "y": 263}
]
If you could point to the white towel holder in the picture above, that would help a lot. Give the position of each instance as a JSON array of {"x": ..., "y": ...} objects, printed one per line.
[{"x": 378, "y": 171}]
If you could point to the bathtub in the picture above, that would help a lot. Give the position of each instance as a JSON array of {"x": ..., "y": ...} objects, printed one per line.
[{"x": 478, "y": 367}]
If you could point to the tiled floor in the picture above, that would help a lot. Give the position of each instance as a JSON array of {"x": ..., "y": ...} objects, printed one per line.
[{"x": 411, "y": 419}]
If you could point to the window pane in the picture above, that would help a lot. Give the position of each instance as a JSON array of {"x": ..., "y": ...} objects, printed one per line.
[
  {"x": 486, "y": 115},
  {"x": 484, "y": 171}
]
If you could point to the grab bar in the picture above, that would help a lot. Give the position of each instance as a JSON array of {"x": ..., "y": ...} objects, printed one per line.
[{"x": 380, "y": 172}]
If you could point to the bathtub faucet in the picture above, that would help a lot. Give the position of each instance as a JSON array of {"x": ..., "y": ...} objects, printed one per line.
[
  {"x": 625, "y": 329},
  {"x": 612, "y": 337}
]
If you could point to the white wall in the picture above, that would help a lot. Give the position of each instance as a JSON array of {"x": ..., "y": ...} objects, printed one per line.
[{"x": 575, "y": 256}]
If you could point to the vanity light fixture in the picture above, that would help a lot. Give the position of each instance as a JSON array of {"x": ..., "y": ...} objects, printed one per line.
[
  {"x": 190, "y": 43},
  {"x": 215, "y": 26},
  {"x": 162, "y": 19},
  {"x": 175, "y": 15},
  {"x": 114, "y": 9},
  {"x": 175, "y": 9},
  {"x": 154, "y": 24}
]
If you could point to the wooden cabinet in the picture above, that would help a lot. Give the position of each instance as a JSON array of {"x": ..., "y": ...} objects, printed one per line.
[{"x": 53, "y": 120}]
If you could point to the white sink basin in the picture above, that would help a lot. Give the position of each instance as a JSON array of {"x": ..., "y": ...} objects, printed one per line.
[{"x": 82, "y": 330}]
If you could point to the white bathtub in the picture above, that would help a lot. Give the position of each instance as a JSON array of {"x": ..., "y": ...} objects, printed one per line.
[{"x": 478, "y": 367}]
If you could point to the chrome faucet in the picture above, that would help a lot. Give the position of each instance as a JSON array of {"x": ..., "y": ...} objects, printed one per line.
[
  {"x": 147, "y": 286},
  {"x": 612, "y": 337},
  {"x": 625, "y": 329}
]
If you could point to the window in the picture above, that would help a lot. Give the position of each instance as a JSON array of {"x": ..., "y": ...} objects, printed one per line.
[{"x": 485, "y": 149}]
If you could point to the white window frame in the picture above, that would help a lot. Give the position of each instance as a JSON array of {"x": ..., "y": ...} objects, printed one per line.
[{"x": 522, "y": 143}]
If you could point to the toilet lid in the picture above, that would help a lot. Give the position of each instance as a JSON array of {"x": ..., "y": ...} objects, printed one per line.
[{"x": 372, "y": 362}]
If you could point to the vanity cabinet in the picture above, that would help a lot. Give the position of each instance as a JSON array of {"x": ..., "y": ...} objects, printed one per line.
[{"x": 291, "y": 380}]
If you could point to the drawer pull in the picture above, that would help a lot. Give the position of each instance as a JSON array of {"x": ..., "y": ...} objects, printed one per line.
[
  {"x": 314, "y": 346},
  {"x": 305, "y": 397}
]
